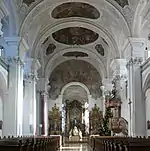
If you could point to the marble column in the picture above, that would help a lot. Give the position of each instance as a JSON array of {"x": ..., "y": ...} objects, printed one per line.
[
  {"x": 13, "y": 106},
  {"x": 42, "y": 106},
  {"x": 134, "y": 52}
]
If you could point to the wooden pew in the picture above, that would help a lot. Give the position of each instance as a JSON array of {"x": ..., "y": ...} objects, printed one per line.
[
  {"x": 105, "y": 143},
  {"x": 37, "y": 143}
]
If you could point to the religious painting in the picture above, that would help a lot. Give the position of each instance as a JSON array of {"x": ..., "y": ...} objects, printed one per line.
[{"x": 75, "y": 9}]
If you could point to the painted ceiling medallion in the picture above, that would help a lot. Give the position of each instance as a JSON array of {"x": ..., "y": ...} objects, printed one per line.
[
  {"x": 122, "y": 3},
  {"x": 75, "y": 9},
  {"x": 100, "y": 49},
  {"x": 28, "y": 2},
  {"x": 50, "y": 49},
  {"x": 75, "y": 36},
  {"x": 75, "y": 54}
]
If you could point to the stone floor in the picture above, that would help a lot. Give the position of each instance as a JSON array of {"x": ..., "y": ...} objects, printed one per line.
[{"x": 75, "y": 147}]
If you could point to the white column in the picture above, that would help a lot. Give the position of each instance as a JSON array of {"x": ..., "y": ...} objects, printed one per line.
[
  {"x": 13, "y": 108},
  {"x": 42, "y": 95},
  {"x": 46, "y": 113},
  {"x": 30, "y": 77},
  {"x": 134, "y": 50},
  {"x": 26, "y": 109}
]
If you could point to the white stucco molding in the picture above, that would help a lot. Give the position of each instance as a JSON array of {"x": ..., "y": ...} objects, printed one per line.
[
  {"x": 44, "y": 5},
  {"x": 47, "y": 7},
  {"x": 73, "y": 84},
  {"x": 51, "y": 28}
]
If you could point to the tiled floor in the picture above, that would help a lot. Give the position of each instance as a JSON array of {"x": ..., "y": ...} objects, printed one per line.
[{"x": 75, "y": 147}]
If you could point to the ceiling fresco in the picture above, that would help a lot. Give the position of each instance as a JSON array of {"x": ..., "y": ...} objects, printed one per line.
[
  {"x": 100, "y": 49},
  {"x": 122, "y": 3},
  {"x": 75, "y": 54},
  {"x": 50, "y": 49},
  {"x": 75, "y": 9},
  {"x": 75, "y": 71},
  {"x": 75, "y": 36}
]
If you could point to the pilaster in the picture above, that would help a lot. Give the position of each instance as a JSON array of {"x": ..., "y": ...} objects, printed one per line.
[{"x": 134, "y": 52}]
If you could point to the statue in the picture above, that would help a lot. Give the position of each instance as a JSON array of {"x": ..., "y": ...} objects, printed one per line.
[{"x": 75, "y": 132}]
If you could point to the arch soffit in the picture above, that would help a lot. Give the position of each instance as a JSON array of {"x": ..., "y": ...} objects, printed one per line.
[
  {"x": 51, "y": 65},
  {"x": 136, "y": 20},
  {"x": 75, "y": 84}
]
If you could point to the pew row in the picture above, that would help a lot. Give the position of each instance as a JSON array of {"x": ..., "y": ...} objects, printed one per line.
[
  {"x": 38, "y": 143},
  {"x": 108, "y": 143}
]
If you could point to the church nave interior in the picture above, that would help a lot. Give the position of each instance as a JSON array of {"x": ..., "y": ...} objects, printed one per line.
[{"x": 75, "y": 72}]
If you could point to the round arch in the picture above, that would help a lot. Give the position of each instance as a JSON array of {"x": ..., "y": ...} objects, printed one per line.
[
  {"x": 76, "y": 84},
  {"x": 51, "y": 65}
]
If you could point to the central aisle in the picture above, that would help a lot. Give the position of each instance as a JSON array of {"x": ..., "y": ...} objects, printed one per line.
[{"x": 75, "y": 147}]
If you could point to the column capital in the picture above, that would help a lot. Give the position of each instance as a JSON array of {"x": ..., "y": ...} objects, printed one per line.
[
  {"x": 43, "y": 84},
  {"x": 134, "y": 48},
  {"x": 15, "y": 60},
  {"x": 17, "y": 46},
  {"x": 30, "y": 77}
]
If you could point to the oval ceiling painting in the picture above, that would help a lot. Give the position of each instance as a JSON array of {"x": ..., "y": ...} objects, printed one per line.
[
  {"x": 75, "y": 54},
  {"x": 75, "y": 9},
  {"x": 75, "y": 36}
]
